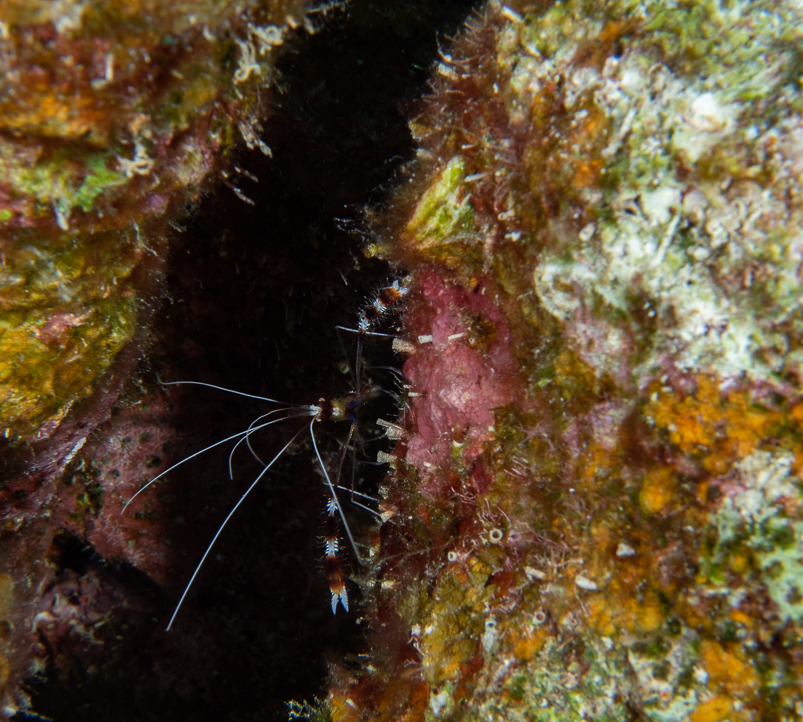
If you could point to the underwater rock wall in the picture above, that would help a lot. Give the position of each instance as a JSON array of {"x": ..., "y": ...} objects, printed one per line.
[
  {"x": 112, "y": 115},
  {"x": 596, "y": 509}
]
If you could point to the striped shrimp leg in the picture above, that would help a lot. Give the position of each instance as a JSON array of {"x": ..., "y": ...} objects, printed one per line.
[
  {"x": 384, "y": 300},
  {"x": 370, "y": 315}
]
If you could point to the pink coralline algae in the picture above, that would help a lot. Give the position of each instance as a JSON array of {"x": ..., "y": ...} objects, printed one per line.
[
  {"x": 127, "y": 451},
  {"x": 471, "y": 373}
]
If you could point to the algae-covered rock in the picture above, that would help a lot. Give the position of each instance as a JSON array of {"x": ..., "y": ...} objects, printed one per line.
[
  {"x": 112, "y": 114},
  {"x": 596, "y": 511}
]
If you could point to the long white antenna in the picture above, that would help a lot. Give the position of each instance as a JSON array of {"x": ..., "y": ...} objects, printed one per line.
[
  {"x": 252, "y": 428},
  {"x": 309, "y": 410},
  {"x": 223, "y": 388},
  {"x": 226, "y": 520}
]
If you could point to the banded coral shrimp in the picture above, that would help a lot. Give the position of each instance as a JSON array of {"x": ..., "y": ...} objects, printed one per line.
[{"x": 344, "y": 409}]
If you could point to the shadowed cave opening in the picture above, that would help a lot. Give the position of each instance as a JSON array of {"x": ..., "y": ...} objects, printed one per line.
[{"x": 252, "y": 298}]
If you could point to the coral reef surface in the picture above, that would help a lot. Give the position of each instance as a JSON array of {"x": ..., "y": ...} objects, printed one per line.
[
  {"x": 596, "y": 509},
  {"x": 112, "y": 114}
]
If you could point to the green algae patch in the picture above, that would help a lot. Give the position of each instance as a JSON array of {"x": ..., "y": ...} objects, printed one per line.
[
  {"x": 66, "y": 181},
  {"x": 50, "y": 358},
  {"x": 444, "y": 217},
  {"x": 68, "y": 308},
  {"x": 442, "y": 212}
]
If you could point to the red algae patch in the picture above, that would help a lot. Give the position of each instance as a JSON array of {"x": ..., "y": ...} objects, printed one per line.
[
  {"x": 128, "y": 451},
  {"x": 458, "y": 377}
]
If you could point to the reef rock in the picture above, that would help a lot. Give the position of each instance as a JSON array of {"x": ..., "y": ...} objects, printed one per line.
[
  {"x": 596, "y": 508},
  {"x": 112, "y": 114}
]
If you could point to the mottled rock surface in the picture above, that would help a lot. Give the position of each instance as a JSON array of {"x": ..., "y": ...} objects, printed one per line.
[
  {"x": 112, "y": 115},
  {"x": 596, "y": 511}
]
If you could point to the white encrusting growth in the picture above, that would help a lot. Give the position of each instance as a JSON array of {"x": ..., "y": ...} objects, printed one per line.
[
  {"x": 689, "y": 249},
  {"x": 259, "y": 41}
]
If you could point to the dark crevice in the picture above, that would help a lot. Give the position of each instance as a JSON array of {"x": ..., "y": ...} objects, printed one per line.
[{"x": 252, "y": 298}]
